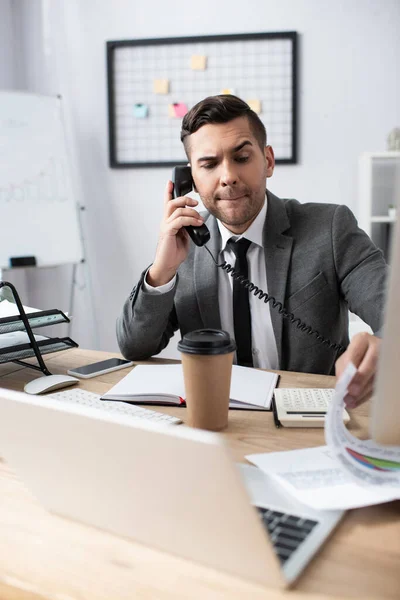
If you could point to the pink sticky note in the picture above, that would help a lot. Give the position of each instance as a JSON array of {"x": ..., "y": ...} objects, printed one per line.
[{"x": 180, "y": 109}]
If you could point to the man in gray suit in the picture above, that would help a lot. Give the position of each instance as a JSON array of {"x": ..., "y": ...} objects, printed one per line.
[{"x": 312, "y": 258}]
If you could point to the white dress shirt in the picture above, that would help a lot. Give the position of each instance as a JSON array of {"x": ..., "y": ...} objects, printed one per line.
[{"x": 265, "y": 353}]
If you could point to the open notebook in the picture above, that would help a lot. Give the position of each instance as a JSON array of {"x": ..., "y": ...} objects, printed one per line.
[{"x": 163, "y": 384}]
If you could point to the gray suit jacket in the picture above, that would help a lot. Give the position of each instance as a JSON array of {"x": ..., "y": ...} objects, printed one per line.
[{"x": 319, "y": 265}]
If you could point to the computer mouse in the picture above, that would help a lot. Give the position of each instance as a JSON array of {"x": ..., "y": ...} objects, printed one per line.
[{"x": 48, "y": 383}]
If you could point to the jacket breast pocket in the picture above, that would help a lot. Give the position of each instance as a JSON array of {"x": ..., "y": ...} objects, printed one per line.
[
  {"x": 312, "y": 305},
  {"x": 307, "y": 292}
]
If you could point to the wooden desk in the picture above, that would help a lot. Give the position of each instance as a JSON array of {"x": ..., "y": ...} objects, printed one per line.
[{"x": 46, "y": 557}]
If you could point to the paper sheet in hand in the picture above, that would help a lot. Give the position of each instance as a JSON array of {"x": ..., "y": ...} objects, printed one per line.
[
  {"x": 348, "y": 473},
  {"x": 365, "y": 460}
]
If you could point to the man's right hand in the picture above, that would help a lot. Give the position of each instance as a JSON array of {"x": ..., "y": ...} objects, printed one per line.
[{"x": 173, "y": 241}]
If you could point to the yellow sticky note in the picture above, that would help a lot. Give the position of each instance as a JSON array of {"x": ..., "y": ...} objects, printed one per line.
[
  {"x": 255, "y": 105},
  {"x": 171, "y": 111},
  {"x": 227, "y": 91},
  {"x": 161, "y": 86},
  {"x": 198, "y": 62}
]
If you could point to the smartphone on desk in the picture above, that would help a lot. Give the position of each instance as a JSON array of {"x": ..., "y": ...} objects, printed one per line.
[
  {"x": 183, "y": 184},
  {"x": 100, "y": 368}
]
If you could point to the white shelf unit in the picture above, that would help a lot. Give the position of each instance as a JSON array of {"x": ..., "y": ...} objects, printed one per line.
[{"x": 379, "y": 188}]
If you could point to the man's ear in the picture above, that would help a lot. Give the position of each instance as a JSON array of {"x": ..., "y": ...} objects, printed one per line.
[{"x": 270, "y": 160}]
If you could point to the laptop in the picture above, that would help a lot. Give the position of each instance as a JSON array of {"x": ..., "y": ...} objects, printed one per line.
[{"x": 174, "y": 489}]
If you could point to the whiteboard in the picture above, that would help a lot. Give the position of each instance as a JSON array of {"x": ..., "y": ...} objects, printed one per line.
[{"x": 38, "y": 207}]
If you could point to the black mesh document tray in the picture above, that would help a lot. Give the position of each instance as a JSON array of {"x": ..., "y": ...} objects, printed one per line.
[
  {"x": 23, "y": 351},
  {"x": 26, "y": 322}
]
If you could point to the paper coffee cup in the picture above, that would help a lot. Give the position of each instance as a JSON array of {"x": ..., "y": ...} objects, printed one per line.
[{"x": 207, "y": 356}]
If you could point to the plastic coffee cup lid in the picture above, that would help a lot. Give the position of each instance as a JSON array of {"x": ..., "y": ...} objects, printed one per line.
[{"x": 207, "y": 341}]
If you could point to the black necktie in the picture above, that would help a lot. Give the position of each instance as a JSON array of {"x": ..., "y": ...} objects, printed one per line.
[{"x": 241, "y": 304}]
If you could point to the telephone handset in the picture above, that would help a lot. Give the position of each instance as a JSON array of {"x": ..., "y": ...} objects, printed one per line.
[{"x": 183, "y": 184}]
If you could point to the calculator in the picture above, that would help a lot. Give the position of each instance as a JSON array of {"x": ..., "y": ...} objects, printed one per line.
[{"x": 304, "y": 407}]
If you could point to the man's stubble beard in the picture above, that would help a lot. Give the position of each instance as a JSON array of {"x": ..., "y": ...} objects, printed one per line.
[{"x": 252, "y": 210}]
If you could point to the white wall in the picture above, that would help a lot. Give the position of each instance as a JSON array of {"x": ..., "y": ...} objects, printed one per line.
[
  {"x": 7, "y": 62},
  {"x": 349, "y": 95}
]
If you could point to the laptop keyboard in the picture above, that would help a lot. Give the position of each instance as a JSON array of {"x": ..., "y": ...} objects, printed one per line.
[{"x": 286, "y": 532}]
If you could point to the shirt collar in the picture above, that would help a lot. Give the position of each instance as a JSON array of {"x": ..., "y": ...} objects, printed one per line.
[{"x": 253, "y": 233}]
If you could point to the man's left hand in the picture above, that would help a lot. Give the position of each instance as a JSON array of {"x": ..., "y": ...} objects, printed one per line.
[{"x": 363, "y": 352}]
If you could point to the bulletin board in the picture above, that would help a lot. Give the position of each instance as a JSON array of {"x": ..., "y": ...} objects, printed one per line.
[{"x": 153, "y": 82}]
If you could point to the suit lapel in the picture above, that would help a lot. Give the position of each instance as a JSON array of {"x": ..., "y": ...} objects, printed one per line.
[
  {"x": 206, "y": 278},
  {"x": 278, "y": 251}
]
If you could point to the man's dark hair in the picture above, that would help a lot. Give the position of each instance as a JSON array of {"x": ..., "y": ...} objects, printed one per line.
[{"x": 221, "y": 109}]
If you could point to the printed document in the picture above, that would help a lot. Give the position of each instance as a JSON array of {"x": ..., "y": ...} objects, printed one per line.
[
  {"x": 347, "y": 473},
  {"x": 315, "y": 478}
]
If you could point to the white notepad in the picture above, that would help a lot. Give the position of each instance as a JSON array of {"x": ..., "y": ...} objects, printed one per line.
[
  {"x": 10, "y": 309},
  {"x": 251, "y": 389},
  {"x": 17, "y": 338}
]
